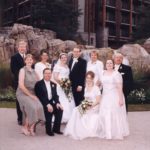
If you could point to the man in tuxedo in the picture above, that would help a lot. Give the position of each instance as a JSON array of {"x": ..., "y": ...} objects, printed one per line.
[
  {"x": 46, "y": 92},
  {"x": 16, "y": 63},
  {"x": 127, "y": 76},
  {"x": 77, "y": 67}
]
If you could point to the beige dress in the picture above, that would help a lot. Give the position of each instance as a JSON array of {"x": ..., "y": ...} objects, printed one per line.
[{"x": 32, "y": 108}]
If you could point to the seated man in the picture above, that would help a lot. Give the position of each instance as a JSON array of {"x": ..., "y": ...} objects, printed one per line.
[{"x": 46, "y": 92}]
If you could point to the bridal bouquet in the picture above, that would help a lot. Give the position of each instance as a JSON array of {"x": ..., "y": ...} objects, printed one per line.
[
  {"x": 84, "y": 106},
  {"x": 65, "y": 84}
]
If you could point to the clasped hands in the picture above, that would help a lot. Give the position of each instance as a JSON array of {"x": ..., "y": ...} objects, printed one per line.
[{"x": 50, "y": 108}]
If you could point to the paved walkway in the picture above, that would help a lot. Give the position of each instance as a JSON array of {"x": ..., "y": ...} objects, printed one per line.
[{"x": 12, "y": 139}]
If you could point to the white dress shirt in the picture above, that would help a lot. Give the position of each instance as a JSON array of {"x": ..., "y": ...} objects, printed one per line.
[
  {"x": 48, "y": 87},
  {"x": 117, "y": 67},
  {"x": 75, "y": 60}
]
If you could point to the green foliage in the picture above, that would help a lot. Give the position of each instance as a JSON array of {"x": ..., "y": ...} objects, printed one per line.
[
  {"x": 143, "y": 25},
  {"x": 139, "y": 96},
  {"x": 5, "y": 76},
  {"x": 7, "y": 94},
  {"x": 57, "y": 15}
]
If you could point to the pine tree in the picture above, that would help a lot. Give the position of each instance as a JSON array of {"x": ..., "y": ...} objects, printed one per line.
[
  {"x": 57, "y": 15},
  {"x": 143, "y": 25}
]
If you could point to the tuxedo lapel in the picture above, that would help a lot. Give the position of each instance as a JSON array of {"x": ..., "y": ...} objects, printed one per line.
[
  {"x": 20, "y": 59},
  {"x": 70, "y": 63},
  {"x": 44, "y": 88},
  {"x": 120, "y": 68},
  {"x": 52, "y": 88}
]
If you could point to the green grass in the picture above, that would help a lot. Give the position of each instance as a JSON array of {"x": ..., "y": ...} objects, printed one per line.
[
  {"x": 139, "y": 107},
  {"x": 6, "y": 104},
  {"x": 132, "y": 107}
]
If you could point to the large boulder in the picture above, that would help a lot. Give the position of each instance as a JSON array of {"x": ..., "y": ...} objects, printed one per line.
[
  {"x": 138, "y": 58},
  {"x": 146, "y": 45}
]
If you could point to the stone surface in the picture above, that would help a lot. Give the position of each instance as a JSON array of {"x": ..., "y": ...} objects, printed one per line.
[
  {"x": 146, "y": 45},
  {"x": 12, "y": 139}
]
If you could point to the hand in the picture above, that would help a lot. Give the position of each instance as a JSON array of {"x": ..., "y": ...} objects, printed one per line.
[
  {"x": 59, "y": 106},
  {"x": 98, "y": 83},
  {"x": 79, "y": 88},
  {"x": 49, "y": 108},
  {"x": 120, "y": 103},
  {"x": 34, "y": 97}
]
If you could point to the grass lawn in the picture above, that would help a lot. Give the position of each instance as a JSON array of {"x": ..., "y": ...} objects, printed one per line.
[
  {"x": 132, "y": 107},
  {"x": 5, "y": 104}
]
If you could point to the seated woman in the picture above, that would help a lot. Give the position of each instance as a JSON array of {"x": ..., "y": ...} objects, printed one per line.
[
  {"x": 81, "y": 126},
  {"x": 30, "y": 105}
]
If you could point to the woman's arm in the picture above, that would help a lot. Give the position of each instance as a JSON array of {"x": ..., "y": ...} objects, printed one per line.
[
  {"x": 97, "y": 101},
  {"x": 22, "y": 86},
  {"x": 119, "y": 85},
  {"x": 56, "y": 77}
]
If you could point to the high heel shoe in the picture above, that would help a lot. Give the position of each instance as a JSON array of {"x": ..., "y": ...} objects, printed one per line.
[
  {"x": 25, "y": 131},
  {"x": 32, "y": 133}
]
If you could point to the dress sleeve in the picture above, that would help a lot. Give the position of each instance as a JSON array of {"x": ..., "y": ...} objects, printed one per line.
[
  {"x": 118, "y": 78},
  {"x": 56, "y": 69},
  {"x": 97, "y": 91}
]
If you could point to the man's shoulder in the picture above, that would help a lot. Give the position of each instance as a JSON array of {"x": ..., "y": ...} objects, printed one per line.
[
  {"x": 82, "y": 60},
  {"x": 125, "y": 66}
]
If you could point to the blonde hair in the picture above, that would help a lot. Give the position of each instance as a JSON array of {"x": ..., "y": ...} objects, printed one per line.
[
  {"x": 94, "y": 52},
  {"x": 19, "y": 42},
  {"x": 28, "y": 56}
]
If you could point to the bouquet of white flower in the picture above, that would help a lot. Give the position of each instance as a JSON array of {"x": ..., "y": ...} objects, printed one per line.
[
  {"x": 84, "y": 106},
  {"x": 65, "y": 84}
]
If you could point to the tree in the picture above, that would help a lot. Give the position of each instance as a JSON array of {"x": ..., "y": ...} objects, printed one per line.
[
  {"x": 143, "y": 24},
  {"x": 57, "y": 15}
]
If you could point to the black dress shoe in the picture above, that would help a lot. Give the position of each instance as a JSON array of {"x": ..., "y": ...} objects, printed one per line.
[
  {"x": 50, "y": 133},
  {"x": 58, "y": 132}
]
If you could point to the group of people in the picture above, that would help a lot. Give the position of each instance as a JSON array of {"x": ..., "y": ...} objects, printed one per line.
[{"x": 40, "y": 95}]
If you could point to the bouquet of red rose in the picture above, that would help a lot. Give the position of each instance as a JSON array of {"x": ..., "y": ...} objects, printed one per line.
[
  {"x": 65, "y": 84},
  {"x": 84, "y": 106}
]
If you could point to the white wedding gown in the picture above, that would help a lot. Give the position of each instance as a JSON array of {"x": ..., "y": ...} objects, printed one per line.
[
  {"x": 113, "y": 122},
  {"x": 83, "y": 126},
  {"x": 67, "y": 106}
]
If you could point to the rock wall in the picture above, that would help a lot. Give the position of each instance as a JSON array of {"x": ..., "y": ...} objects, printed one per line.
[{"x": 39, "y": 39}]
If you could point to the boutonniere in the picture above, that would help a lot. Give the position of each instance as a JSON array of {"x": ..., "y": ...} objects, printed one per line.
[
  {"x": 122, "y": 73},
  {"x": 120, "y": 67},
  {"x": 53, "y": 85},
  {"x": 76, "y": 60}
]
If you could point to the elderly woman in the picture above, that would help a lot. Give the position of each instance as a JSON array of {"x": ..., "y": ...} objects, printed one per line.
[{"x": 30, "y": 105}]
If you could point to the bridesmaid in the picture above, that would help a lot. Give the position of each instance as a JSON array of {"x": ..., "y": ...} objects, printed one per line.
[
  {"x": 30, "y": 105},
  {"x": 95, "y": 66},
  {"x": 113, "y": 122},
  {"x": 81, "y": 126},
  {"x": 40, "y": 66}
]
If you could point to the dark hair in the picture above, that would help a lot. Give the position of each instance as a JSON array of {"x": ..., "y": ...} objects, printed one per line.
[
  {"x": 46, "y": 69},
  {"x": 112, "y": 62},
  {"x": 43, "y": 51},
  {"x": 91, "y": 73}
]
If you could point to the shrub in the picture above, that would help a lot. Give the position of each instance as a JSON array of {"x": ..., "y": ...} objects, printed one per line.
[
  {"x": 5, "y": 76},
  {"x": 7, "y": 94}
]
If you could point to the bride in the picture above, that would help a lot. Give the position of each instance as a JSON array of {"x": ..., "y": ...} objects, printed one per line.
[
  {"x": 81, "y": 126},
  {"x": 61, "y": 71}
]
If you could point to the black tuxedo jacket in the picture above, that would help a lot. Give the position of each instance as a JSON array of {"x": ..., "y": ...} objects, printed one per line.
[
  {"x": 77, "y": 74},
  {"x": 16, "y": 64},
  {"x": 127, "y": 76},
  {"x": 41, "y": 93}
]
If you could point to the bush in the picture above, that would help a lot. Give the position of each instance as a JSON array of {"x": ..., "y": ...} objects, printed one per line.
[
  {"x": 7, "y": 94},
  {"x": 139, "y": 96},
  {"x": 5, "y": 76}
]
